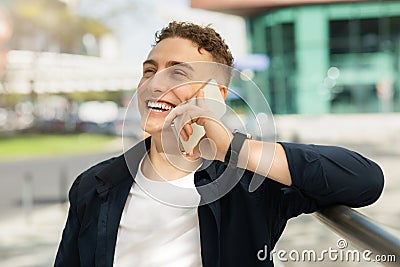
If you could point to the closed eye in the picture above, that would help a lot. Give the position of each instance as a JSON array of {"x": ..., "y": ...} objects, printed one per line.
[
  {"x": 179, "y": 72},
  {"x": 147, "y": 72}
]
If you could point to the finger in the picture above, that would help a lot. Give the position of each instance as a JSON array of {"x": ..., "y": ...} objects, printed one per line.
[
  {"x": 196, "y": 152},
  {"x": 171, "y": 116},
  {"x": 186, "y": 131},
  {"x": 184, "y": 135},
  {"x": 180, "y": 109},
  {"x": 187, "y": 128},
  {"x": 200, "y": 98},
  {"x": 177, "y": 111}
]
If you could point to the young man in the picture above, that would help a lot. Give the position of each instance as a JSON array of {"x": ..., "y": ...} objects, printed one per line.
[{"x": 113, "y": 220}]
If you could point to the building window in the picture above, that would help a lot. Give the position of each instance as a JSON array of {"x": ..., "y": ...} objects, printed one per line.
[
  {"x": 280, "y": 47},
  {"x": 354, "y": 36},
  {"x": 366, "y": 51}
]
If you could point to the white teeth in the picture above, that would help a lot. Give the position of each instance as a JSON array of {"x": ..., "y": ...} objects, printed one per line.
[
  {"x": 161, "y": 106},
  {"x": 166, "y": 107}
]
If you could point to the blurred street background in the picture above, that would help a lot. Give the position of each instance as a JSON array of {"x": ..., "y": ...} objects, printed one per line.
[{"x": 330, "y": 71}]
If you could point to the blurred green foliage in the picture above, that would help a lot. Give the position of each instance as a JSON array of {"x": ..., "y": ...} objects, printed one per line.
[{"x": 34, "y": 145}]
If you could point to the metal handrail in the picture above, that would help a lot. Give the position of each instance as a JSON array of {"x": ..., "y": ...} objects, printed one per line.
[{"x": 359, "y": 229}]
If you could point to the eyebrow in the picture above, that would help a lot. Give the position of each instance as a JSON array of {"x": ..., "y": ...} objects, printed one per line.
[
  {"x": 150, "y": 61},
  {"x": 169, "y": 64},
  {"x": 181, "y": 64}
]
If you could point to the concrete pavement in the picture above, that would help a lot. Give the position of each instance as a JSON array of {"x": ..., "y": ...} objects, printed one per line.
[{"x": 32, "y": 240}]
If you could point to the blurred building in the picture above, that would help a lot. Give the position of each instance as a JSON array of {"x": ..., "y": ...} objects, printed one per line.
[
  {"x": 52, "y": 49},
  {"x": 30, "y": 72},
  {"x": 325, "y": 56}
]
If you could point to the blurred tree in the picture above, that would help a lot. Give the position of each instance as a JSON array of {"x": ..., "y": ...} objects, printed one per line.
[{"x": 53, "y": 26}]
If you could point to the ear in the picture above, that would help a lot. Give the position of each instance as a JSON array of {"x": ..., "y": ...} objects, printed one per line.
[{"x": 224, "y": 90}]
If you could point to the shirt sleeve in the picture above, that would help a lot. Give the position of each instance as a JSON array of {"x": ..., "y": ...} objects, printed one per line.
[
  {"x": 329, "y": 175},
  {"x": 68, "y": 254}
]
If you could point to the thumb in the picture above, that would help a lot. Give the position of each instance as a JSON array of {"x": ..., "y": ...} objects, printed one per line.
[
  {"x": 206, "y": 149},
  {"x": 200, "y": 98}
]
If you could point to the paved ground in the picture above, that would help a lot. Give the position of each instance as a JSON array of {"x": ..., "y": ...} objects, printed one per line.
[{"x": 32, "y": 240}]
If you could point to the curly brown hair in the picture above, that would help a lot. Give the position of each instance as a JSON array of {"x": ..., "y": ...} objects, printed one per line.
[{"x": 204, "y": 37}]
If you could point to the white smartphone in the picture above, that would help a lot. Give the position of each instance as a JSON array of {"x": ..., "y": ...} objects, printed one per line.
[{"x": 215, "y": 102}]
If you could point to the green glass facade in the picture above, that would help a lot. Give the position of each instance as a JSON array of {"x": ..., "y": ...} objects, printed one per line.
[{"x": 332, "y": 58}]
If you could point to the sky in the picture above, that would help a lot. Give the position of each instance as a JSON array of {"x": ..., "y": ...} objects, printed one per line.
[{"x": 135, "y": 22}]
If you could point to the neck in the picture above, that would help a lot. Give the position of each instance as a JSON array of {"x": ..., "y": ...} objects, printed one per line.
[{"x": 161, "y": 166}]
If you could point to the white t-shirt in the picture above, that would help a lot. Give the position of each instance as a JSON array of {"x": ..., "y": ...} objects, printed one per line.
[{"x": 152, "y": 232}]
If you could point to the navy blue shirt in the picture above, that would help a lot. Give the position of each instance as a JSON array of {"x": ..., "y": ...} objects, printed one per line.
[{"x": 233, "y": 228}]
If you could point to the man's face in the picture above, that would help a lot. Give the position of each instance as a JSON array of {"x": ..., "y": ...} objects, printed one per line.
[{"x": 166, "y": 82}]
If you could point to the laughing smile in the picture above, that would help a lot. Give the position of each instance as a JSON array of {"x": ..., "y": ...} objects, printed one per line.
[{"x": 159, "y": 106}]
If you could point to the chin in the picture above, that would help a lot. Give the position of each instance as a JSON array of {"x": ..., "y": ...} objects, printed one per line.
[{"x": 152, "y": 126}]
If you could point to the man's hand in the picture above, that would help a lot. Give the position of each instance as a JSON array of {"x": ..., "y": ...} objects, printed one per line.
[{"x": 215, "y": 143}]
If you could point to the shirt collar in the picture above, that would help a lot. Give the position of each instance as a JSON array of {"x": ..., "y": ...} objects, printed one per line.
[{"x": 126, "y": 166}]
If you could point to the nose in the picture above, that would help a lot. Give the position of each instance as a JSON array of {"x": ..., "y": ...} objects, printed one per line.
[{"x": 158, "y": 84}]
